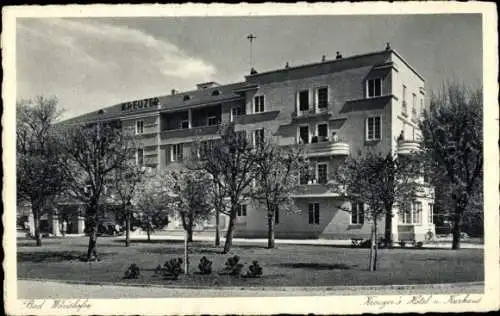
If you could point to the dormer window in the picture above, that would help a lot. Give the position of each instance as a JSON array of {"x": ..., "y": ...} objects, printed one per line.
[
  {"x": 215, "y": 93},
  {"x": 374, "y": 88},
  {"x": 186, "y": 97}
]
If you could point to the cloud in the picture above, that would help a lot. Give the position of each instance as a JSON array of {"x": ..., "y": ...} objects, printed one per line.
[{"x": 89, "y": 64}]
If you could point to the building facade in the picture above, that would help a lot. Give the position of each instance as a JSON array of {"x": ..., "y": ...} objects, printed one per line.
[{"x": 335, "y": 108}]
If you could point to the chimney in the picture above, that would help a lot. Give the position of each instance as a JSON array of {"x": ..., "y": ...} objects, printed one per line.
[
  {"x": 339, "y": 56},
  {"x": 253, "y": 71},
  {"x": 323, "y": 58},
  {"x": 287, "y": 66},
  {"x": 173, "y": 92},
  {"x": 388, "y": 46}
]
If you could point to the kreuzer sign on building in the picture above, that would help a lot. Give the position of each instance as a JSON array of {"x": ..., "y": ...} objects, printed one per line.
[{"x": 140, "y": 104}]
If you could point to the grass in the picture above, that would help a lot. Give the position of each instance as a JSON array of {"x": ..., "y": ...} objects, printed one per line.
[{"x": 286, "y": 265}]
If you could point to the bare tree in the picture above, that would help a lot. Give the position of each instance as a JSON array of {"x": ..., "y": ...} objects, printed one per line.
[
  {"x": 93, "y": 152},
  {"x": 151, "y": 201},
  {"x": 231, "y": 162},
  {"x": 277, "y": 175},
  {"x": 125, "y": 184},
  {"x": 379, "y": 183},
  {"x": 190, "y": 191},
  {"x": 39, "y": 176},
  {"x": 452, "y": 131}
]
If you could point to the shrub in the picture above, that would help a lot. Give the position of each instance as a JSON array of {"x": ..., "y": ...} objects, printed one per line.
[
  {"x": 402, "y": 243},
  {"x": 132, "y": 272},
  {"x": 254, "y": 270},
  {"x": 171, "y": 269},
  {"x": 419, "y": 244},
  {"x": 232, "y": 266},
  {"x": 205, "y": 266}
]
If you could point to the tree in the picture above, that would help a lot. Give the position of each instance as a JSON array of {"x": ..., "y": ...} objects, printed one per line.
[
  {"x": 125, "y": 184},
  {"x": 93, "y": 153},
  {"x": 453, "y": 144},
  {"x": 151, "y": 202},
  {"x": 190, "y": 191},
  {"x": 39, "y": 176},
  {"x": 379, "y": 182},
  {"x": 278, "y": 171},
  {"x": 231, "y": 162}
]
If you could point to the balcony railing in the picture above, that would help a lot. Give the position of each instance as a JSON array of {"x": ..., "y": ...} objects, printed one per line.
[
  {"x": 194, "y": 131},
  {"x": 312, "y": 111},
  {"x": 406, "y": 147},
  {"x": 325, "y": 148}
]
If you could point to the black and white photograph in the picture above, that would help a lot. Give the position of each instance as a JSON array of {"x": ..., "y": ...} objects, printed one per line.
[{"x": 250, "y": 159}]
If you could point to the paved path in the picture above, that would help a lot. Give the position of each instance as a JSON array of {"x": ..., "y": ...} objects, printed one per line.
[
  {"x": 164, "y": 236},
  {"x": 29, "y": 289}
]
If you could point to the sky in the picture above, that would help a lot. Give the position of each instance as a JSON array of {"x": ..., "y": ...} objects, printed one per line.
[{"x": 92, "y": 63}]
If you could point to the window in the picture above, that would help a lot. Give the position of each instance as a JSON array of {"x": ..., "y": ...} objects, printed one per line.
[
  {"x": 422, "y": 105},
  {"x": 314, "y": 213},
  {"x": 212, "y": 120},
  {"x": 430, "y": 219},
  {"x": 186, "y": 98},
  {"x": 259, "y": 104},
  {"x": 139, "y": 127},
  {"x": 357, "y": 213},
  {"x": 414, "y": 104},
  {"x": 373, "y": 128},
  {"x": 259, "y": 137},
  {"x": 304, "y": 100},
  {"x": 184, "y": 124},
  {"x": 235, "y": 112},
  {"x": 405, "y": 107},
  {"x": 303, "y": 177},
  {"x": 277, "y": 217},
  {"x": 374, "y": 87},
  {"x": 322, "y": 173},
  {"x": 322, "y": 131},
  {"x": 417, "y": 213},
  {"x": 140, "y": 156},
  {"x": 304, "y": 134},
  {"x": 242, "y": 210},
  {"x": 177, "y": 151},
  {"x": 215, "y": 93},
  {"x": 412, "y": 215},
  {"x": 322, "y": 98}
]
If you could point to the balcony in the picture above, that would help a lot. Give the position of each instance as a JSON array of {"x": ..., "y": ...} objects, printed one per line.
[
  {"x": 327, "y": 148},
  {"x": 311, "y": 112},
  {"x": 407, "y": 147},
  {"x": 194, "y": 131}
]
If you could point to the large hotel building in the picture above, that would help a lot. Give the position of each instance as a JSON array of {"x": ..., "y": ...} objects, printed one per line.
[{"x": 334, "y": 107}]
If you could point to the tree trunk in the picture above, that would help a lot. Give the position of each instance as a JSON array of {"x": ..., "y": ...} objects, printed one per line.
[
  {"x": 190, "y": 227},
  {"x": 186, "y": 258},
  {"x": 455, "y": 245},
  {"x": 373, "y": 249},
  {"x": 270, "y": 229},
  {"x": 229, "y": 234},
  {"x": 217, "y": 232},
  {"x": 127, "y": 229},
  {"x": 148, "y": 231},
  {"x": 388, "y": 229},
  {"x": 92, "y": 249},
  {"x": 36, "y": 221}
]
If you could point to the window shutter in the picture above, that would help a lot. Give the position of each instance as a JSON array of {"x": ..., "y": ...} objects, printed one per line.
[
  {"x": 277, "y": 217},
  {"x": 297, "y": 102},
  {"x": 361, "y": 213},
  {"x": 311, "y": 213}
]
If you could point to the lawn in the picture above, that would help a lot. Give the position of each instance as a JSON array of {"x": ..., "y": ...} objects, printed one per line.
[{"x": 287, "y": 265}]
